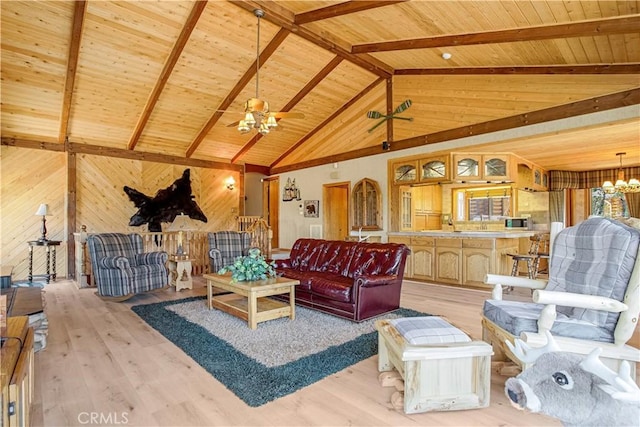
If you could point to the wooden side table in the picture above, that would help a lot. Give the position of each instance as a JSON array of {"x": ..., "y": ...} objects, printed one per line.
[
  {"x": 50, "y": 246},
  {"x": 180, "y": 273}
]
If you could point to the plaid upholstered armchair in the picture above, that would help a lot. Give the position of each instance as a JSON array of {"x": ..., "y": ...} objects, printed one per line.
[
  {"x": 120, "y": 268},
  {"x": 226, "y": 246},
  {"x": 592, "y": 297}
]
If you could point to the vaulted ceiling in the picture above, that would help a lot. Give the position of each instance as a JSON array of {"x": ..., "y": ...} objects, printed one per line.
[{"x": 167, "y": 78}]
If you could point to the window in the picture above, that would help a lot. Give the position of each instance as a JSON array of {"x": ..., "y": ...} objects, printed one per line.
[
  {"x": 366, "y": 202},
  {"x": 608, "y": 205}
]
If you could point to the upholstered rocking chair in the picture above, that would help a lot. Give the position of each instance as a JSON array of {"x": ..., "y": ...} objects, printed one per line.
[
  {"x": 591, "y": 299},
  {"x": 121, "y": 269}
]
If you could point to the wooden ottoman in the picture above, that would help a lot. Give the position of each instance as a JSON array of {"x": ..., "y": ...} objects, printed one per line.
[{"x": 441, "y": 367}]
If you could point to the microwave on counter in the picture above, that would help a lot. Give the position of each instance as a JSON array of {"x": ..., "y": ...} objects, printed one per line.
[{"x": 516, "y": 223}]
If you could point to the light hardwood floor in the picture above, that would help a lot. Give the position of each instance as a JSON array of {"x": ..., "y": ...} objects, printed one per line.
[{"x": 101, "y": 360}]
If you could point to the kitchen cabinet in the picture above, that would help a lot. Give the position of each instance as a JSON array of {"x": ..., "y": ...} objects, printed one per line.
[
  {"x": 495, "y": 167},
  {"x": 466, "y": 167},
  {"x": 477, "y": 260},
  {"x": 483, "y": 167},
  {"x": 427, "y": 207},
  {"x": 532, "y": 178},
  {"x": 405, "y": 172},
  {"x": 423, "y": 256},
  {"x": 448, "y": 261},
  {"x": 459, "y": 260},
  {"x": 435, "y": 169}
]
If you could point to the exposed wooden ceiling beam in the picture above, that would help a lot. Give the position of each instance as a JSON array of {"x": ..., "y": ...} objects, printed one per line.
[
  {"x": 235, "y": 91},
  {"x": 591, "y": 105},
  {"x": 341, "y": 9},
  {"x": 328, "y": 120},
  {"x": 595, "y": 27},
  {"x": 72, "y": 67},
  {"x": 122, "y": 153},
  {"x": 326, "y": 70},
  {"x": 178, "y": 47},
  {"x": 631, "y": 68},
  {"x": 284, "y": 18}
]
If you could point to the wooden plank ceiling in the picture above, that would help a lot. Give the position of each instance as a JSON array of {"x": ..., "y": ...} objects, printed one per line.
[{"x": 168, "y": 77}]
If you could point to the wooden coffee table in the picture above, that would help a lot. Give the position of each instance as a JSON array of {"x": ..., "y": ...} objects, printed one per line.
[{"x": 249, "y": 301}]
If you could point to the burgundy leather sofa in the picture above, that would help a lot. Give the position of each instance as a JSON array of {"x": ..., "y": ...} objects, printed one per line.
[{"x": 348, "y": 279}]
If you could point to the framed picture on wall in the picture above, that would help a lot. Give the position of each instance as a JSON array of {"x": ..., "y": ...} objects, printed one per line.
[{"x": 311, "y": 208}]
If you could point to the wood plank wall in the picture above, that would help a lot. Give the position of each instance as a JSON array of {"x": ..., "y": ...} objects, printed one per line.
[{"x": 30, "y": 177}]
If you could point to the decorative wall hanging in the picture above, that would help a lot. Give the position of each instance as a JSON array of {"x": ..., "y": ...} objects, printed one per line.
[
  {"x": 165, "y": 205},
  {"x": 311, "y": 208},
  {"x": 291, "y": 192}
]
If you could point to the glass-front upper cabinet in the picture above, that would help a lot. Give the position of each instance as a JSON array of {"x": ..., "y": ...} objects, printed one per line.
[
  {"x": 495, "y": 167},
  {"x": 466, "y": 166},
  {"x": 434, "y": 169},
  {"x": 405, "y": 172}
]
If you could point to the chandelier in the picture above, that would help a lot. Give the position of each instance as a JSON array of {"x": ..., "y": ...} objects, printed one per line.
[
  {"x": 621, "y": 186},
  {"x": 256, "y": 110}
]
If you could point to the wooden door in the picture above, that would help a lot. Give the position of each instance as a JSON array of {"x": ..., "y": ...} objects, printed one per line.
[
  {"x": 335, "y": 211},
  {"x": 271, "y": 206}
]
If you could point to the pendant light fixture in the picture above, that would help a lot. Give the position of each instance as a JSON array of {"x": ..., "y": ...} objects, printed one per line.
[
  {"x": 621, "y": 186},
  {"x": 256, "y": 110}
]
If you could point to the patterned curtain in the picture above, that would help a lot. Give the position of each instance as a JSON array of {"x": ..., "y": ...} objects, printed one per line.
[
  {"x": 633, "y": 202},
  {"x": 556, "y": 206},
  {"x": 559, "y": 180}
]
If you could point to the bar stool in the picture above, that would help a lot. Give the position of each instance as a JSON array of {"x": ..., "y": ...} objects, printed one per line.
[{"x": 538, "y": 249}]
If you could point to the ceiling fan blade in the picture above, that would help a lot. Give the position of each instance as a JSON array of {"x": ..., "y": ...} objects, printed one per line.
[
  {"x": 378, "y": 124},
  {"x": 234, "y": 124},
  {"x": 287, "y": 114},
  {"x": 406, "y": 104},
  {"x": 373, "y": 115}
]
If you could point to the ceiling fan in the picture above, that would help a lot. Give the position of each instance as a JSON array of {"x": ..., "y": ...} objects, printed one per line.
[
  {"x": 257, "y": 114},
  {"x": 399, "y": 109}
]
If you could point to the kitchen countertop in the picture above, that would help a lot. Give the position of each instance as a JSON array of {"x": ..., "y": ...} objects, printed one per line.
[{"x": 508, "y": 234}]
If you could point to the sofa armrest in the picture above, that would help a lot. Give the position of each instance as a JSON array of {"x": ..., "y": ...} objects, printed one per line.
[
  {"x": 158, "y": 257},
  {"x": 370, "y": 281},
  {"x": 120, "y": 262}
]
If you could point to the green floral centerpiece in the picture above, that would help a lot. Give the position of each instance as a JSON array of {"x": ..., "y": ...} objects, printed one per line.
[{"x": 251, "y": 267}]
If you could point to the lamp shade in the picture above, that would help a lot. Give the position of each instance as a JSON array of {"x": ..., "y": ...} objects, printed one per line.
[
  {"x": 43, "y": 210},
  {"x": 182, "y": 223}
]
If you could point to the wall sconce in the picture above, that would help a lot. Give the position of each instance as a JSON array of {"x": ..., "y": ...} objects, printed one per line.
[{"x": 230, "y": 183}]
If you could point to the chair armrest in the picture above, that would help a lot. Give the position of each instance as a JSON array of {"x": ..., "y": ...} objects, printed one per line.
[
  {"x": 120, "y": 262},
  {"x": 372, "y": 281},
  {"x": 216, "y": 259},
  {"x": 158, "y": 257},
  {"x": 518, "y": 282},
  {"x": 569, "y": 299}
]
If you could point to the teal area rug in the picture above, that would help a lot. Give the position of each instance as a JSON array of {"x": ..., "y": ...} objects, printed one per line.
[{"x": 275, "y": 360}]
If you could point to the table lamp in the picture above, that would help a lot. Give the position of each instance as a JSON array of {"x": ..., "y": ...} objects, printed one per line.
[
  {"x": 180, "y": 224},
  {"x": 43, "y": 211}
]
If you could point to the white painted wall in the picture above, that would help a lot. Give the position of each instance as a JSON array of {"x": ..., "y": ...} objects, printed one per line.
[{"x": 294, "y": 225}]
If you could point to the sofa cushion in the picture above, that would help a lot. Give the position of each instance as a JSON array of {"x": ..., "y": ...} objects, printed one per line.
[
  {"x": 376, "y": 259},
  {"x": 335, "y": 257},
  {"x": 302, "y": 276},
  {"x": 305, "y": 253},
  {"x": 332, "y": 286}
]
